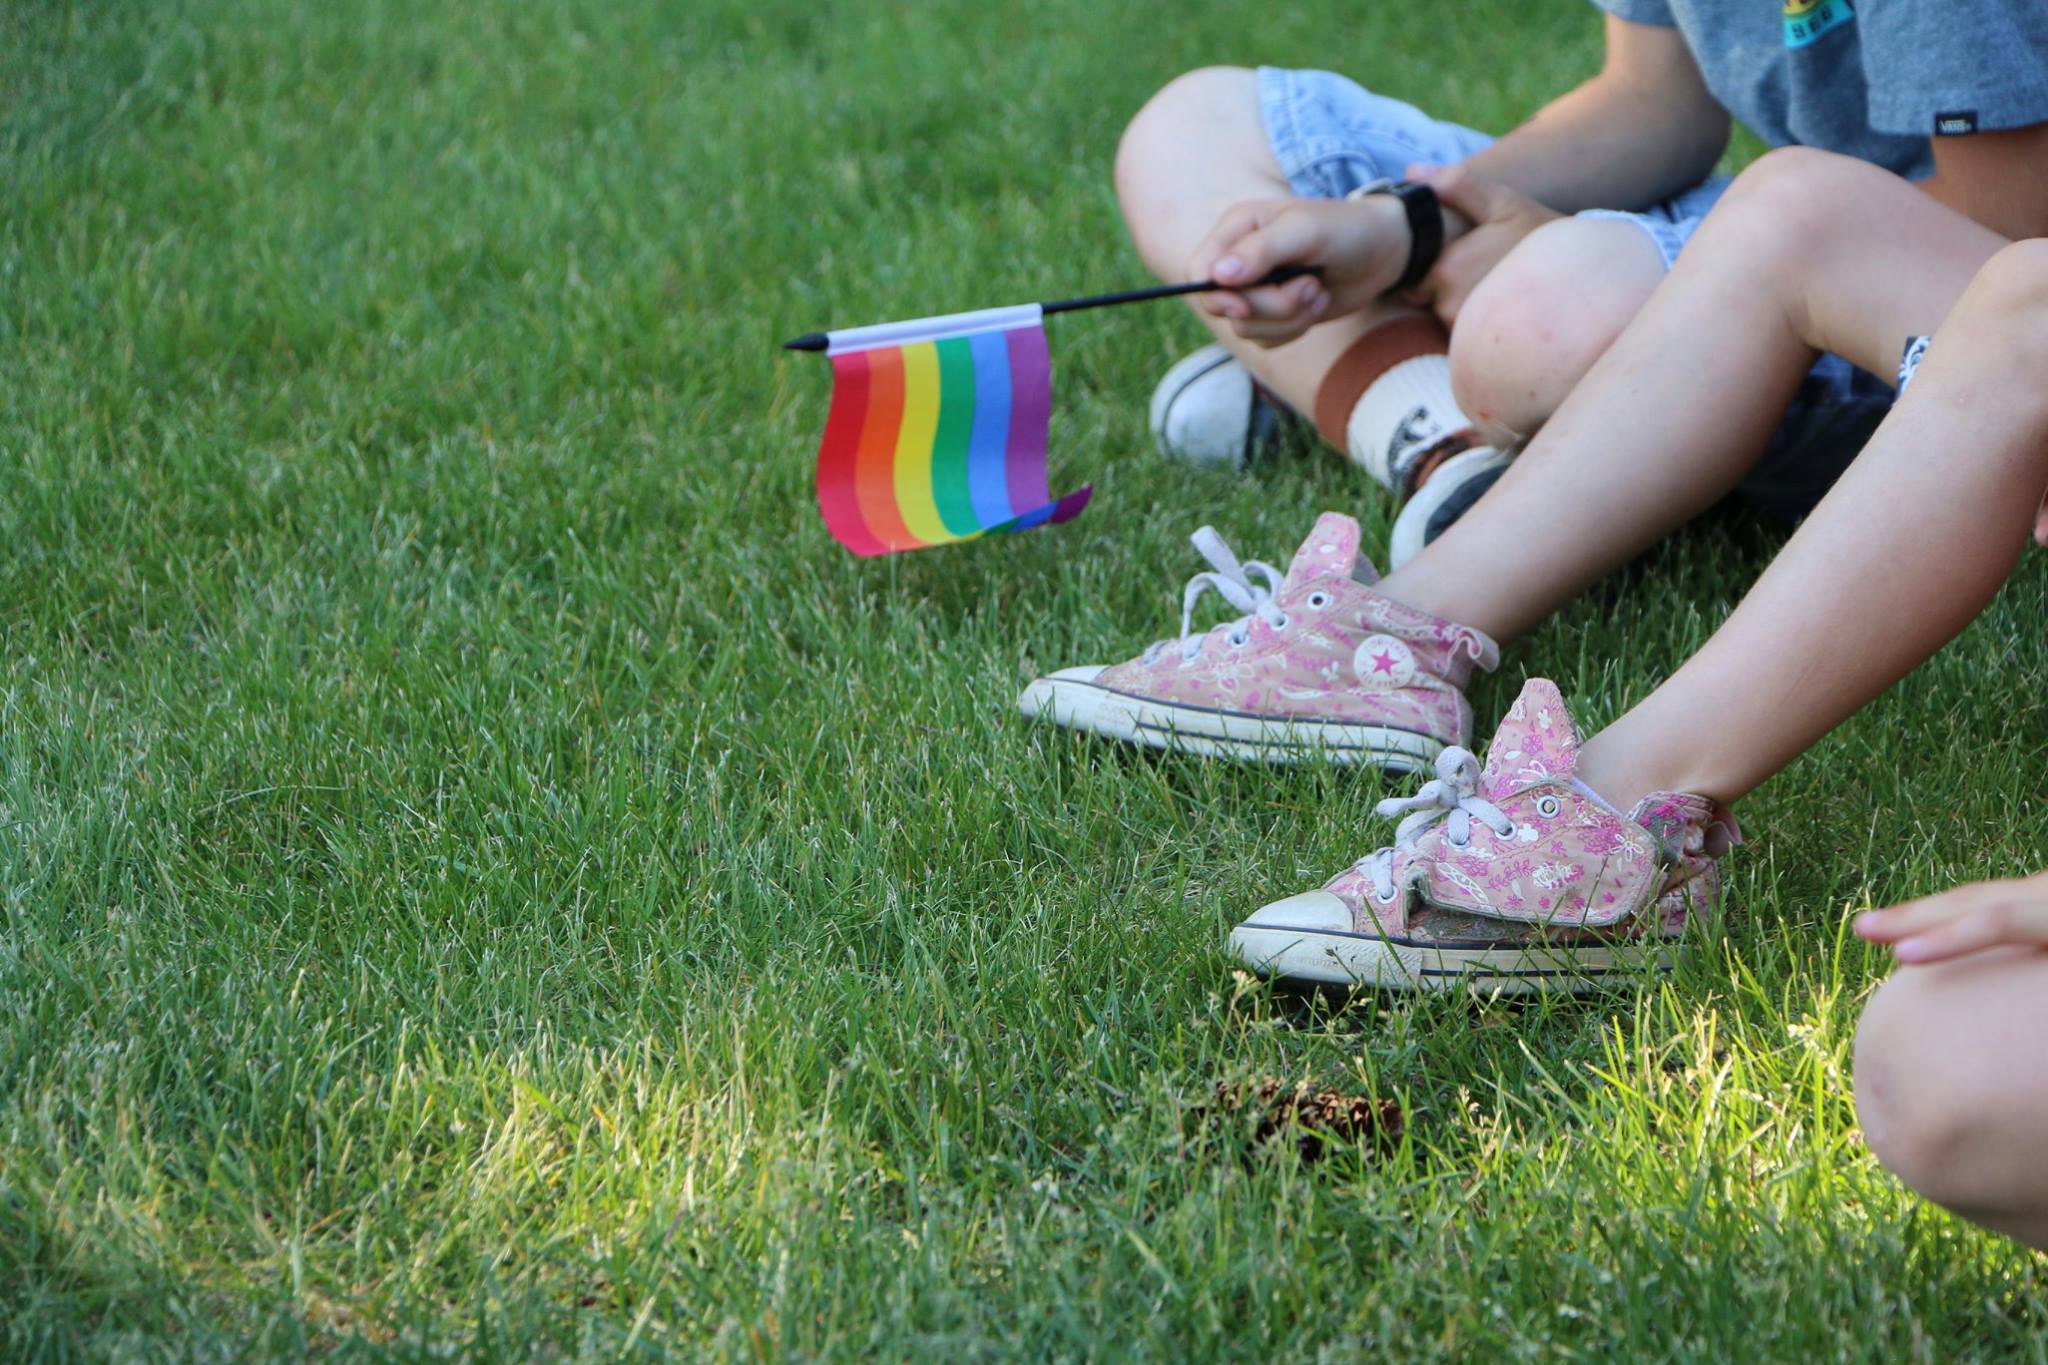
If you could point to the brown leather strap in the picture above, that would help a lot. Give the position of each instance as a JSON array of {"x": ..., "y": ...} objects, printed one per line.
[{"x": 1369, "y": 357}]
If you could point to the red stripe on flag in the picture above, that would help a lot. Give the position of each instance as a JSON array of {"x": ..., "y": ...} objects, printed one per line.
[
  {"x": 839, "y": 452},
  {"x": 875, "y": 467}
]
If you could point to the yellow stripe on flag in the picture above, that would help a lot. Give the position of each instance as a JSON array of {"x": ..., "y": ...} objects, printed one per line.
[{"x": 914, "y": 444}]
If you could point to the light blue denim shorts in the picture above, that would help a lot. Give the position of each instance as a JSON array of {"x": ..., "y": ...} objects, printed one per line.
[{"x": 1331, "y": 135}]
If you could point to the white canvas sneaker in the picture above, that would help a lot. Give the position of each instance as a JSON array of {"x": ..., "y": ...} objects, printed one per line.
[{"x": 1208, "y": 410}]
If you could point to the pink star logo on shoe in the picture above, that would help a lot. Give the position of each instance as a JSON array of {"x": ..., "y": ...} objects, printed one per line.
[{"x": 1383, "y": 662}]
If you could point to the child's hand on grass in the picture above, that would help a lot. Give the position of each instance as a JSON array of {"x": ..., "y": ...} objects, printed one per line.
[
  {"x": 1968, "y": 919},
  {"x": 1360, "y": 246}
]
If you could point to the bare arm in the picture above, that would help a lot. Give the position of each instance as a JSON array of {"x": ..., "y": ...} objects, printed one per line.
[
  {"x": 1640, "y": 131},
  {"x": 1999, "y": 179}
]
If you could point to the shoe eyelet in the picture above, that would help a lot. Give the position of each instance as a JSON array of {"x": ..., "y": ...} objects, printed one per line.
[
  {"x": 1238, "y": 641},
  {"x": 1465, "y": 842},
  {"x": 1283, "y": 623},
  {"x": 1393, "y": 893},
  {"x": 1318, "y": 600},
  {"x": 1548, "y": 807}
]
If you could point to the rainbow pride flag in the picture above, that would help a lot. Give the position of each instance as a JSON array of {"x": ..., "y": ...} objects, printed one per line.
[{"x": 937, "y": 431}]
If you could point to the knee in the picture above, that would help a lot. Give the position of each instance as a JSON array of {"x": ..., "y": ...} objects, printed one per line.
[
  {"x": 1789, "y": 203},
  {"x": 2016, "y": 276},
  {"x": 1922, "y": 1107},
  {"x": 1799, "y": 175},
  {"x": 1533, "y": 327},
  {"x": 1162, "y": 132},
  {"x": 2007, "y": 299}
]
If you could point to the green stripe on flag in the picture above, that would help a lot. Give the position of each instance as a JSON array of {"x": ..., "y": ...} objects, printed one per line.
[{"x": 950, "y": 490}]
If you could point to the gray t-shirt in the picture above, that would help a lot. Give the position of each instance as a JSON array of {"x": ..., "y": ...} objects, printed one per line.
[{"x": 1872, "y": 79}]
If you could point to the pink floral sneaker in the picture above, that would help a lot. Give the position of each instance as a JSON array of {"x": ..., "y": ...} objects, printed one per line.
[
  {"x": 1516, "y": 878},
  {"x": 1320, "y": 663}
]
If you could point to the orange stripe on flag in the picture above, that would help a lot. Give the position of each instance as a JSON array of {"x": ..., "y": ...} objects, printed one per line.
[{"x": 875, "y": 467}]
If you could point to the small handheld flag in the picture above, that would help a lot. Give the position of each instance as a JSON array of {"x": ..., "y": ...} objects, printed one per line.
[{"x": 937, "y": 430}]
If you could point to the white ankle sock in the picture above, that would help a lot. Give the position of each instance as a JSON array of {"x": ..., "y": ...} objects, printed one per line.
[{"x": 1402, "y": 416}]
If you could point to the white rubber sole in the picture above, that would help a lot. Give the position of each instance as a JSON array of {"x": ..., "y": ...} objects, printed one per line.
[
  {"x": 1071, "y": 698},
  {"x": 1367, "y": 961}
]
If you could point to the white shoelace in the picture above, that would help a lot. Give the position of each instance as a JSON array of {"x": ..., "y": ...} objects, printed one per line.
[
  {"x": 1451, "y": 797},
  {"x": 1233, "y": 583}
]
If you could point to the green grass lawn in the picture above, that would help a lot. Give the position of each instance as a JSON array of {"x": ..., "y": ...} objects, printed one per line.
[{"x": 484, "y": 872}]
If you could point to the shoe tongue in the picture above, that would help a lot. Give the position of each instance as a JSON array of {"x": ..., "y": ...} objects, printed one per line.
[
  {"x": 1535, "y": 741},
  {"x": 1331, "y": 551}
]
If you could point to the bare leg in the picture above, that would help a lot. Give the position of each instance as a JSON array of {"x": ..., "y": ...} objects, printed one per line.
[
  {"x": 1534, "y": 326},
  {"x": 1670, "y": 418},
  {"x": 1946, "y": 1098},
  {"x": 1952, "y": 479}
]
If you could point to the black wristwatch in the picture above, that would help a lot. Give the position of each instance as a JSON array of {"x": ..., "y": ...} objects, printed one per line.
[{"x": 1425, "y": 225}]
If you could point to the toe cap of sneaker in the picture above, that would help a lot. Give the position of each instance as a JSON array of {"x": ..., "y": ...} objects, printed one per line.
[
  {"x": 1038, "y": 697},
  {"x": 1202, "y": 410},
  {"x": 1311, "y": 911}
]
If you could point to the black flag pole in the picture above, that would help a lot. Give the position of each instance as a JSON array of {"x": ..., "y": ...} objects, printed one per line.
[{"x": 817, "y": 341}]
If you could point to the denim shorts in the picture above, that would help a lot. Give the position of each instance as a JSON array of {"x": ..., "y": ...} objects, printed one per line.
[{"x": 1331, "y": 135}]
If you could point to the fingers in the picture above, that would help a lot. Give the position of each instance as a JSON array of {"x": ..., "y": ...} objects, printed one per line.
[
  {"x": 1236, "y": 221},
  {"x": 1479, "y": 199},
  {"x": 1290, "y": 236},
  {"x": 1998, "y": 924},
  {"x": 1469, "y": 256},
  {"x": 1966, "y": 920},
  {"x": 1442, "y": 292},
  {"x": 1248, "y": 243},
  {"x": 1278, "y": 314},
  {"x": 1912, "y": 917},
  {"x": 1274, "y": 314},
  {"x": 1456, "y": 273}
]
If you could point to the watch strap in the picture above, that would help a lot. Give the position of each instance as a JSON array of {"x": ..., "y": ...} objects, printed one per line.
[{"x": 1425, "y": 225}]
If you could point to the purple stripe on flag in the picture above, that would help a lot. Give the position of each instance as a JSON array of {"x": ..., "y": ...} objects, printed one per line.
[
  {"x": 1030, "y": 414},
  {"x": 1069, "y": 507},
  {"x": 1052, "y": 514},
  {"x": 988, "y": 486}
]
